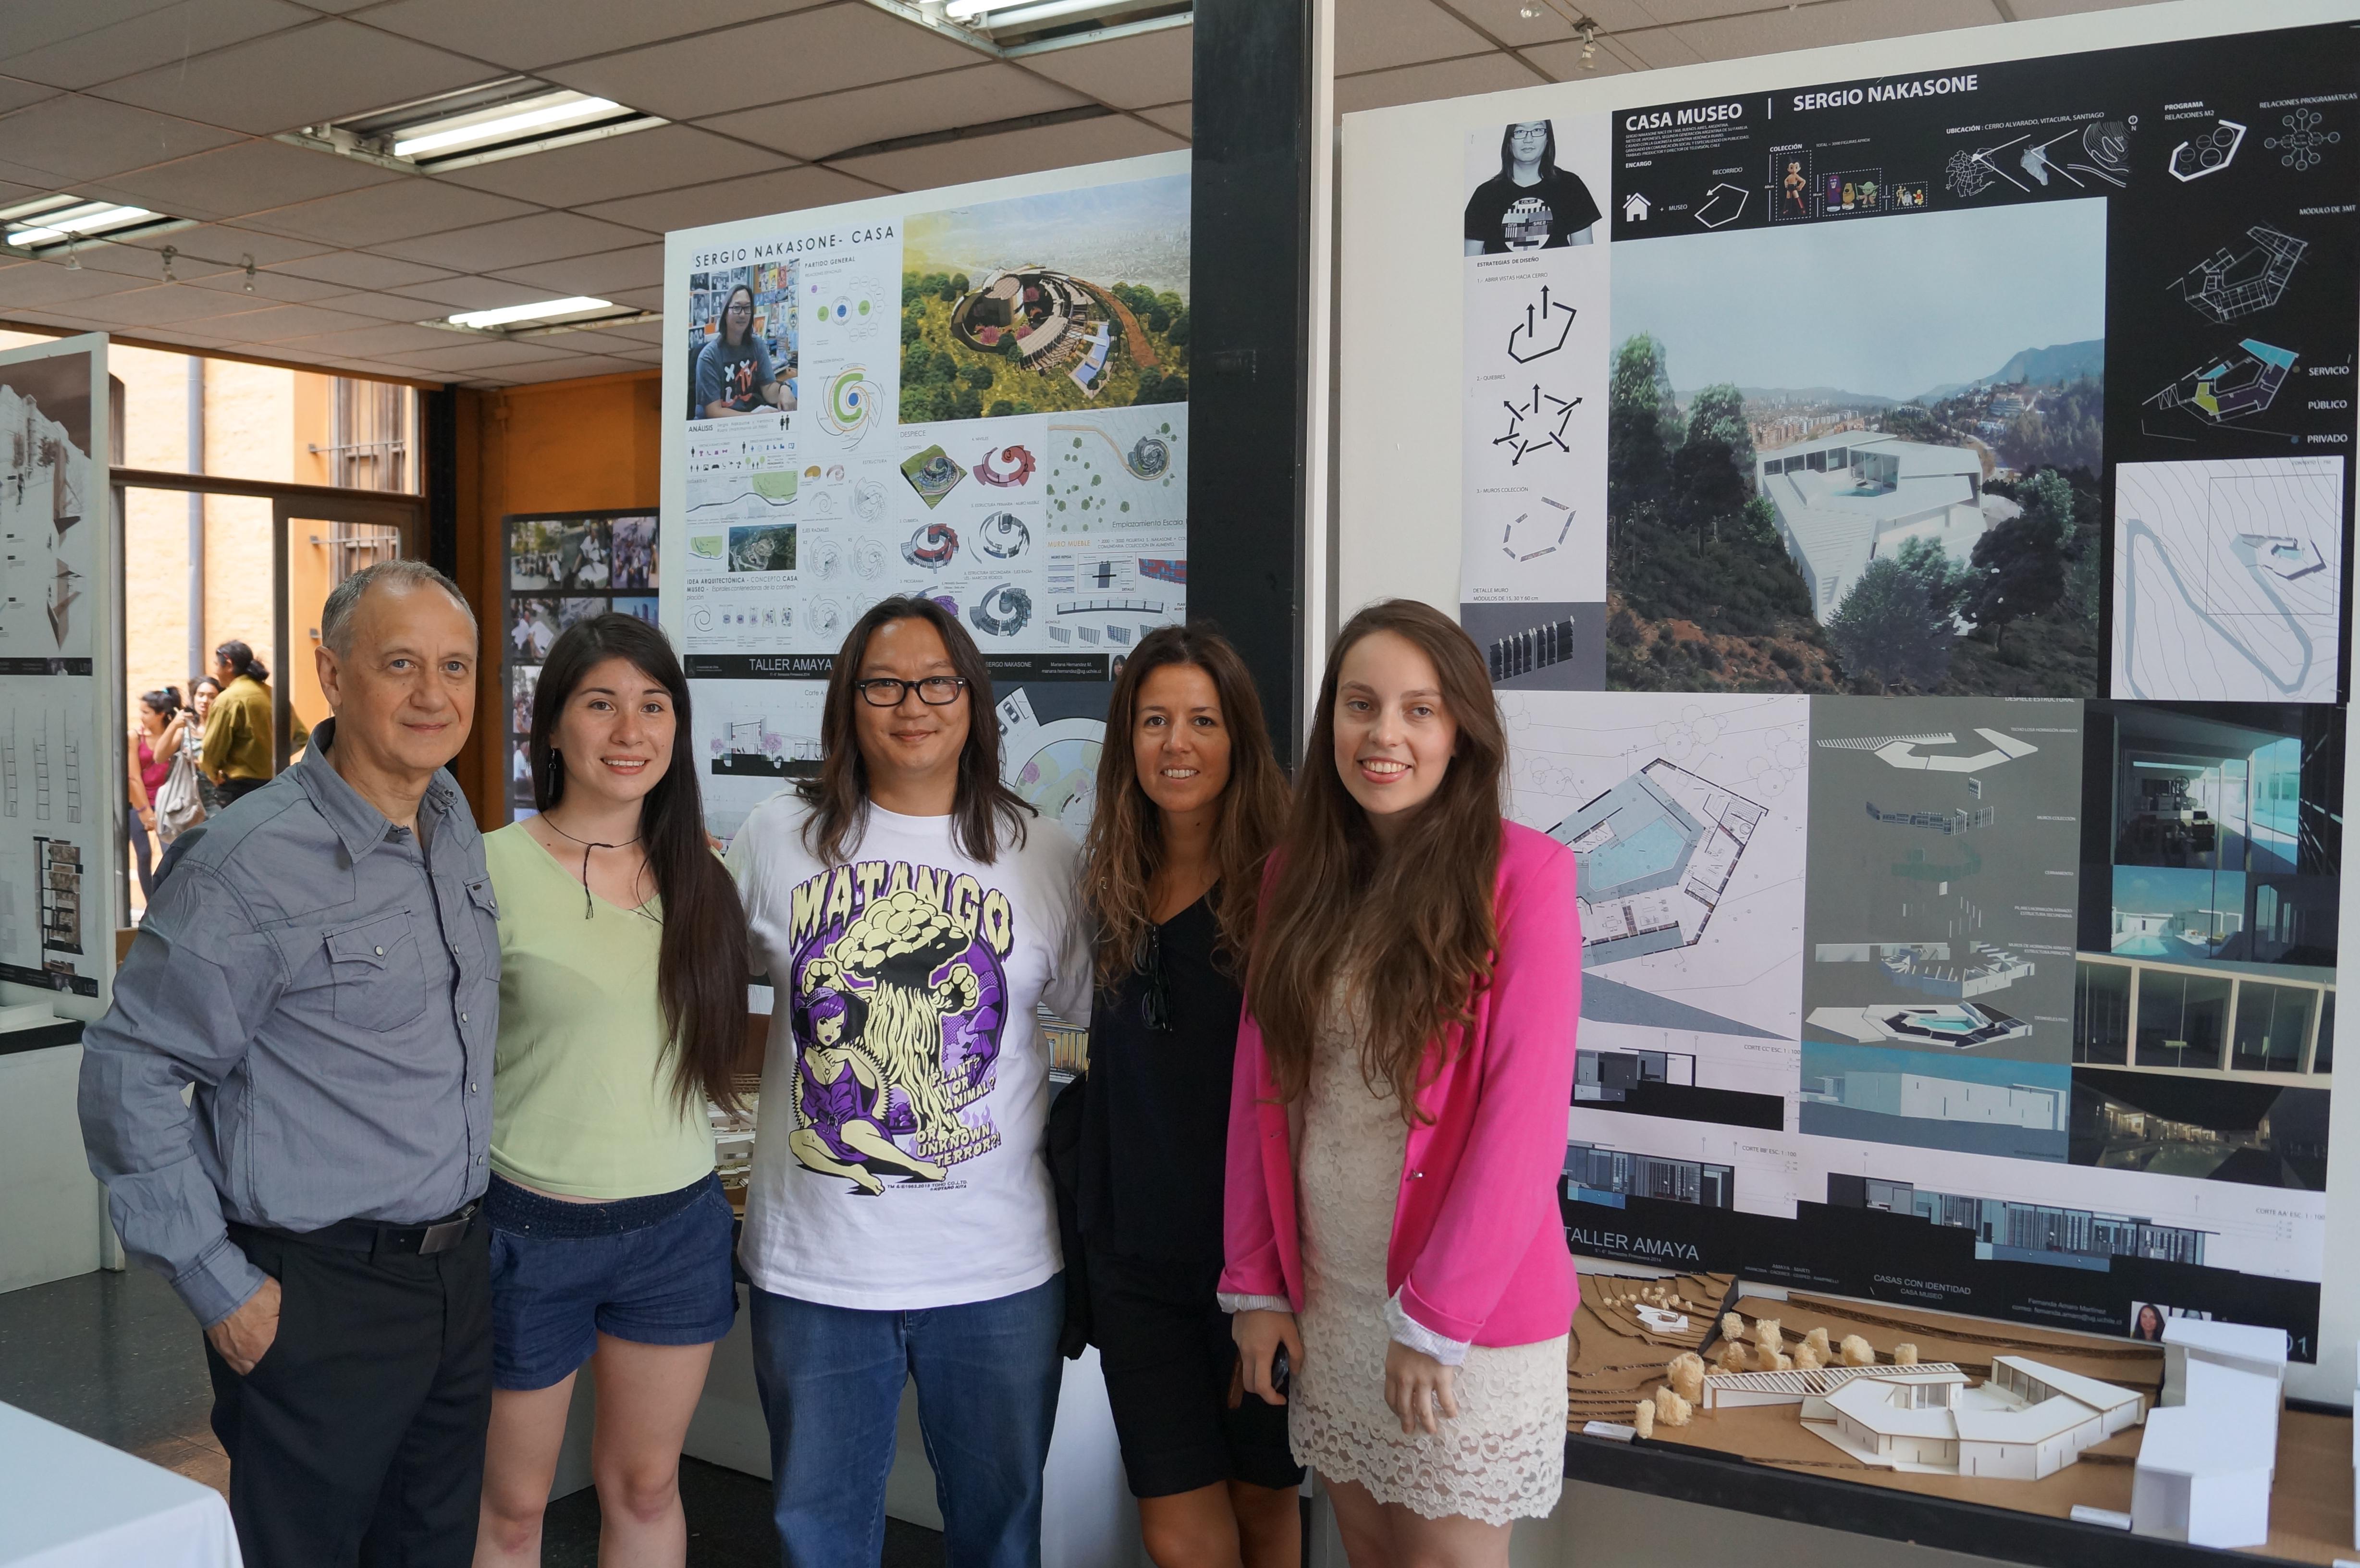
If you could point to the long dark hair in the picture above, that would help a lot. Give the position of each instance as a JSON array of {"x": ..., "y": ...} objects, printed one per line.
[
  {"x": 721, "y": 321},
  {"x": 241, "y": 661},
  {"x": 701, "y": 965},
  {"x": 1416, "y": 919},
  {"x": 1508, "y": 149},
  {"x": 165, "y": 700},
  {"x": 1125, "y": 847},
  {"x": 984, "y": 807}
]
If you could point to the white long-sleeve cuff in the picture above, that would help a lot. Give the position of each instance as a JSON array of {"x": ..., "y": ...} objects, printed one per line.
[
  {"x": 1232, "y": 1302},
  {"x": 1406, "y": 1330}
]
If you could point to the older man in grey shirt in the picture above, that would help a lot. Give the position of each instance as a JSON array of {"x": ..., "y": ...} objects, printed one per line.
[{"x": 320, "y": 962}]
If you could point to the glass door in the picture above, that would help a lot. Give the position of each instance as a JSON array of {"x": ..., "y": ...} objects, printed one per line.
[{"x": 318, "y": 544}]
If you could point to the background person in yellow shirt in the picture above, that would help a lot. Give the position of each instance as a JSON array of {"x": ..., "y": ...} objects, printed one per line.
[
  {"x": 238, "y": 756},
  {"x": 623, "y": 965}
]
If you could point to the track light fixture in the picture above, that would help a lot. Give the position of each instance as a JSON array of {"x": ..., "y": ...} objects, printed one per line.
[
  {"x": 170, "y": 254},
  {"x": 249, "y": 272}
]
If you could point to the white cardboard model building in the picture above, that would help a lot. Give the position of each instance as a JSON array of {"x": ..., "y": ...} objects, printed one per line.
[
  {"x": 1732, "y": 1391},
  {"x": 2028, "y": 1421},
  {"x": 2210, "y": 1455}
]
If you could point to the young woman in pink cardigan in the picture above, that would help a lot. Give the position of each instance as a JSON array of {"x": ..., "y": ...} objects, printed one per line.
[{"x": 1397, "y": 1119}]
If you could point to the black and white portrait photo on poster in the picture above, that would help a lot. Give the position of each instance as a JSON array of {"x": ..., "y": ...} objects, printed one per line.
[{"x": 1527, "y": 192}]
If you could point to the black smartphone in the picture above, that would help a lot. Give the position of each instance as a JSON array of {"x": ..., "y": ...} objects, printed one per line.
[{"x": 1280, "y": 1371}]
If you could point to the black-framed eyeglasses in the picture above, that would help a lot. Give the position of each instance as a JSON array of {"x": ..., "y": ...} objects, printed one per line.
[{"x": 934, "y": 691}]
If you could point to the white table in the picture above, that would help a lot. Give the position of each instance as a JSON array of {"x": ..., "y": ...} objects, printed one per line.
[{"x": 69, "y": 1502}]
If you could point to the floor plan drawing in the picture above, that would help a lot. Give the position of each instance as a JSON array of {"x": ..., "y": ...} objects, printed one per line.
[
  {"x": 1689, "y": 834},
  {"x": 2228, "y": 580}
]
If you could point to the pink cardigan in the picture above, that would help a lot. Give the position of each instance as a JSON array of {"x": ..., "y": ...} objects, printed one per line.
[{"x": 1478, "y": 1251}]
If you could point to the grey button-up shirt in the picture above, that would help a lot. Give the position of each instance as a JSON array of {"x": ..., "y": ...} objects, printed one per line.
[{"x": 331, "y": 986}]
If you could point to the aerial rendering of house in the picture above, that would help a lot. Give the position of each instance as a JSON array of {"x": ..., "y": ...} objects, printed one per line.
[{"x": 1844, "y": 500}]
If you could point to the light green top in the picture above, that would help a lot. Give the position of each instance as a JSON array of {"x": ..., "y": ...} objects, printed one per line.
[{"x": 582, "y": 1083}]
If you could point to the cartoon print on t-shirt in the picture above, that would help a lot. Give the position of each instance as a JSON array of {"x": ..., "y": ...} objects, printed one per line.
[{"x": 899, "y": 1003}]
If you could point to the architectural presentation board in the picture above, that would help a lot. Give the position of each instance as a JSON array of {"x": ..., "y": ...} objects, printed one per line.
[
  {"x": 559, "y": 568},
  {"x": 60, "y": 777},
  {"x": 1905, "y": 500},
  {"x": 978, "y": 393}
]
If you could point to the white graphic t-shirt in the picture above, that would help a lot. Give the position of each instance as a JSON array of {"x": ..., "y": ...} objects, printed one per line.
[{"x": 906, "y": 1087}]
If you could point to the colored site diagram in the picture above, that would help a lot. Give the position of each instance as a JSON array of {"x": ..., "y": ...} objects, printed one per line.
[
  {"x": 2228, "y": 580},
  {"x": 2233, "y": 389},
  {"x": 1689, "y": 833}
]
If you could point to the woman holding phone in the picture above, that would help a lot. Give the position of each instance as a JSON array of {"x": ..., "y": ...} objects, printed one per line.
[
  {"x": 1189, "y": 800},
  {"x": 1397, "y": 1118}
]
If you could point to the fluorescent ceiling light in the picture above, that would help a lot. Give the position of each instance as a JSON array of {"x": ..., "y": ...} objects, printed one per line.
[
  {"x": 508, "y": 315},
  {"x": 1000, "y": 17},
  {"x": 505, "y": 123},
  {"x": 87, "y": 218}
]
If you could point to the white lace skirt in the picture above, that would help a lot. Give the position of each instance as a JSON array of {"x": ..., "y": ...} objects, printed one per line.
[{"x": 1504, "y": 1457}]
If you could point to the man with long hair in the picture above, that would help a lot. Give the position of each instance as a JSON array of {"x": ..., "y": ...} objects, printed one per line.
[
  {"x": 910, "y": 913},
  {"x": 734, "y": 373},
  {"x": 1531, "y": 204}
]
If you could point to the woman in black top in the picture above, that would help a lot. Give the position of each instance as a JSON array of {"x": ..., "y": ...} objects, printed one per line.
[
  {"x": 1531, "y": 204},
  {"x": 1190, "y": 799}
]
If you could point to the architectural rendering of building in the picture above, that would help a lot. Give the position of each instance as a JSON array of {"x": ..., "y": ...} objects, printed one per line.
[
  {"x": 1844, "y": 500},
  {"x": 1923, "y": 1094},
  {"x": 2024, "y": 1233},
  {"x": 1607, "y": 1077},
  {"x": 1607, "y": 1176},
  {"x": 1956, "y": 1026}
]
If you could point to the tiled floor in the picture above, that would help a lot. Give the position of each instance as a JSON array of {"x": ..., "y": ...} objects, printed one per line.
[{"x": 117, "y": 1357}]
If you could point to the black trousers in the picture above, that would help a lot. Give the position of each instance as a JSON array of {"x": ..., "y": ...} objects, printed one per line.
[{"x": 358, "y": 1437}]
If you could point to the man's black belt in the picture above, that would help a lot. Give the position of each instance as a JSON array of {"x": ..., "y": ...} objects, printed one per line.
[{"x": 382, "y": 1240}]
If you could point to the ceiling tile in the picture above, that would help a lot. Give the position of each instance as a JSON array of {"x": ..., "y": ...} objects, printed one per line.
[
  {"x": 1502, "y": 18},
  {"x": 276, "y": 321},
  {"x": 527, "y": 34},
  {"x": 618, "y": 165},
  {"x": 1564, "y": 61},
  {"x": 38, "y": 24},
  {"x": 66, "y": 140},
  {"x": 187, "y": 28},
  {"x": 53, "y": 283},
  {"x": 632, "y": 337},
  {"x": 1375, "y": 35},
  {"x": 360, "y": 269},
  {"x": 641, "y": 266},
  {"x": 418, "y": 205},
  {"x": 1830, "y": 22},
  {"x": 836, "y": 122},
  {"x": 167, "y": 303},
  {"x": 637, "y": 298},
  {"x": 231, "y": 245},
  {"x": 326, "y": 70},
  {"x": 273, "y": 287},
  {"x": 467, "y": 293},
  {"x": 144, "y": 261},
  {"x": 1128, "y": 72},
  {"x": 848, "y": 45},
  {"x": 484, "y": 355},
  {"x": 1014, "y": 152},
  {"x": 1177, "y": 118},
  {"x": 232, "y": 182},
  {"x": 383, "y": 307},
  {"x": 15, "y": 94},
  {"x": 370, "y": 341},
  {"x": 563, "y": 370},
  {"x": 2026, "y": 10},
  {"x": 1655, "y": 48},
  {"x": 788, "y": 191},
  {"x": 544, "y": 236},
  {"x": 1443, "y": 78}
]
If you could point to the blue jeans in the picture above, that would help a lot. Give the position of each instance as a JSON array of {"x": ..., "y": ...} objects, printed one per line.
[{"x": 831, "y": 1384}]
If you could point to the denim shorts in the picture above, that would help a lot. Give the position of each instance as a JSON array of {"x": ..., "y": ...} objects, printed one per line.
[{"x": 653, "y": 1271}]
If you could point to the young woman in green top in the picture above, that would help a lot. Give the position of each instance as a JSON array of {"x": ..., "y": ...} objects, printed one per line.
[{"x": 623, "y": 963}]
